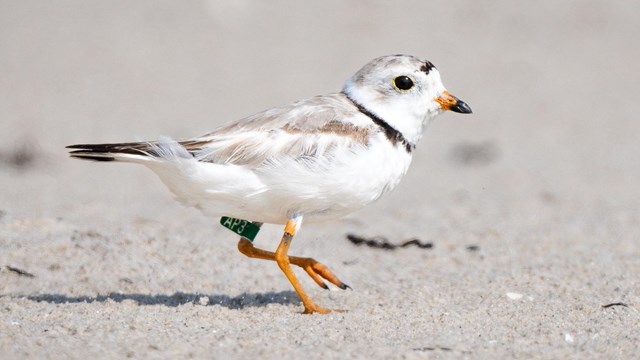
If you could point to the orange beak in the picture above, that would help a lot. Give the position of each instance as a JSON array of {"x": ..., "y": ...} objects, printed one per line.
[{"x": 450, "y": 102}]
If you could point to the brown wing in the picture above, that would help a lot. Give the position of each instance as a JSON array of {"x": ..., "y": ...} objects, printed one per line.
[{"x": 306, "y": 129}]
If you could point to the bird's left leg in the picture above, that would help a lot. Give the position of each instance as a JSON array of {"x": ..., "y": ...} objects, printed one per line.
[{"x": 313, "y": 268}]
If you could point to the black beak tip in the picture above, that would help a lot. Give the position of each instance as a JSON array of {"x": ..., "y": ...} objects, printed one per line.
[{"x": 461, "y": 107}]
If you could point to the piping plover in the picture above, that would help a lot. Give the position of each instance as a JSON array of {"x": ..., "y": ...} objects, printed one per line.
[{"x": 316, "y": 159}]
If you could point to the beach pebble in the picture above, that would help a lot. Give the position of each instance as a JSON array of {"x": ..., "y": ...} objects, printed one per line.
[
  {"x": 203, "y": 300},
  {"x": 514, "y": 296}
]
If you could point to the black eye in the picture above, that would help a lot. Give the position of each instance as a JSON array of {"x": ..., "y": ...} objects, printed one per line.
[{"x": 403, "y": 82}]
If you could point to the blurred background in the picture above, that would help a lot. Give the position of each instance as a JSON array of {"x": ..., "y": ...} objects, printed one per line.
[
  {"x": 553, "y": 86},
  {"x": 536, "y": 194}
]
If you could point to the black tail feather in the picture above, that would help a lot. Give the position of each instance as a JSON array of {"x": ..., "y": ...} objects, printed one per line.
[
  {"x": 99, "y": 152},
  {"x": 85, "y": 156},
  {"x": 136, "y": 148}
]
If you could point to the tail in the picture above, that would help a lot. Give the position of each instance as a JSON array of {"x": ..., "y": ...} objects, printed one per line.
[{"x": 164, "y": 149}]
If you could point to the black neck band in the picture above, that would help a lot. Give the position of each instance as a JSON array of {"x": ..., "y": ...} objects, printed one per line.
[{"x": 392, "y": 134}]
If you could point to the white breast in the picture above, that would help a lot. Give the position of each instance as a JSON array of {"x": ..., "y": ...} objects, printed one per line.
[{"x": 326, "y": 190}]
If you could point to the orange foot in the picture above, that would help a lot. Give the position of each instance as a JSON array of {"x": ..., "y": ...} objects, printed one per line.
[
  {"x": 317, "y": 271},
  {"x": 315, "y": 309}
]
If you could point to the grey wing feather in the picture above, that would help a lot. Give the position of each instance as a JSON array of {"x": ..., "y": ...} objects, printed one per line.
[{"x": 308, "y": 129}]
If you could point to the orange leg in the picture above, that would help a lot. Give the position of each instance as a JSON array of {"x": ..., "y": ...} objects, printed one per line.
[{"x": 315, "y": 269}]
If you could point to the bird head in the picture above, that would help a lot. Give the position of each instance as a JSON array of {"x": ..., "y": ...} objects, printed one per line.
[{"x": 404, "y": 91}]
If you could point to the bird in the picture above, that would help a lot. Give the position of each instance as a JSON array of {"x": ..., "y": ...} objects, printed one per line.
[{"x": 316, "y": 159}]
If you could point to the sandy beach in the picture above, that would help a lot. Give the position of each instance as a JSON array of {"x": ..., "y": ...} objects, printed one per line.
[{"x": 531, "y": 205}]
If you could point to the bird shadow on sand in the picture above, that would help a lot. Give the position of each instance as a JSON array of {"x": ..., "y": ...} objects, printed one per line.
[{"x": 241, "y": 301}]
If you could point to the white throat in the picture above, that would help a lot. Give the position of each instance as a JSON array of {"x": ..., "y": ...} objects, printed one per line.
[{"x": 408, "y": 118}]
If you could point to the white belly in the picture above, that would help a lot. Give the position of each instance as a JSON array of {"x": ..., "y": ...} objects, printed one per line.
[{"x": 272, "y": 193}]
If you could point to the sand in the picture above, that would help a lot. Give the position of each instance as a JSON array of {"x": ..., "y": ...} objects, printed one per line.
[{"x": 532, "y": 204}]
